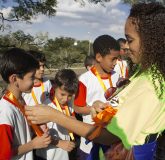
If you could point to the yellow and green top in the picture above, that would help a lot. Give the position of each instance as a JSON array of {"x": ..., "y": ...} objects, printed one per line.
[{"x": 140, "y": 111}]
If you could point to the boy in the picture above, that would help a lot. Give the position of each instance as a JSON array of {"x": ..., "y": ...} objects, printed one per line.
[
  {"x": 17, "y": 70},
  {"x": 122, "y": 65},
  {"x": 42, "y": 85},
  {"x": 94, "y": 83},
  {"x": 65, "y": 86},
  {"x": 89, "y": 62}
]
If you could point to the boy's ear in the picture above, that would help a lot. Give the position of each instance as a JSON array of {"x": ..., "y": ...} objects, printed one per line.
[
  {"x": 13, "y": 78},
  {"x": 98, "y": 57}
]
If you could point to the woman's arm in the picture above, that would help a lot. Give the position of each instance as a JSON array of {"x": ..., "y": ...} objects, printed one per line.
[{"x": 46, "y": 114}]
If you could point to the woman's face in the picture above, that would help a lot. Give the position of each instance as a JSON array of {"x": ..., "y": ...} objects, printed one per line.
[{"x": 133, "y": 41}]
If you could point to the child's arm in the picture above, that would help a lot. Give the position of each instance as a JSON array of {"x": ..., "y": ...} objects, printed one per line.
[
  {"x": 80, "y": 104},
  {"x": 65, "y": 144},
  {"x": 36, "y": 143},
  {"x": 97, "y": 105},
  {"x": 82, "y": 110},
  {"x": 6, "y": 134}
]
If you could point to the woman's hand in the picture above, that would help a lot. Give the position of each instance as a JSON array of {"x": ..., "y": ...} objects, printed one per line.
[{"x": 39, "y": 114}]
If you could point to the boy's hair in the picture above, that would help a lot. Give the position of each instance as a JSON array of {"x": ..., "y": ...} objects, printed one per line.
[
  {"x": 68, "y": 79},
  {"x": 89, "y": 61},
  {"x": 38, "y": 55},
  {"x": 16, "y": 61},
  {"x": 122, "y": 40},
  {"x": 104, "y": 44}
]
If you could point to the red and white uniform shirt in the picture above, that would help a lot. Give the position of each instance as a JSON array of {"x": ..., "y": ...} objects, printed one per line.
[
  {"x": 14, "y": 131},
  {"x": 56, "y": 132},
  {"x": 121, "y": 68},
  {"x": 41, "y": 93},
  {"x": 89, "y": 91}
]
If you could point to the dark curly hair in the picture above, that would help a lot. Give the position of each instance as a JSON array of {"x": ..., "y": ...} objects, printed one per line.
[{"x": 149, "y": 20}]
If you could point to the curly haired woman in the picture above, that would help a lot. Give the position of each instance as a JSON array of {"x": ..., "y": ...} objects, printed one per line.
[{"x": 141, "y": 111}]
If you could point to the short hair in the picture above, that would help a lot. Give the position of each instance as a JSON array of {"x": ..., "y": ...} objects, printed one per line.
[
  {"x": 68, "y": 79},
  {"x": 89, "y": 61},
  {"x": 104, "y": 44},
  {"x": 121, "y": 40},
  {"x": 40, "y": 56},
  {"x": 16, "y": 61}
]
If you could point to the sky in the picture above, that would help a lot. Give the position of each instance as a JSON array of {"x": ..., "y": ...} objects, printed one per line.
[{"x": 79, "y": 22}]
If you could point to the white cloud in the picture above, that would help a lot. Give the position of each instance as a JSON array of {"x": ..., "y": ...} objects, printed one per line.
[
  {"x": 6, "y": 11},
  {"x": 74, "y": 20},
  {"x": 39, "y": 19}
]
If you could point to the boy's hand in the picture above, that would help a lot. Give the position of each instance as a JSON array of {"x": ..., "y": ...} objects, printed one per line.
[
  {"x": 98, "y": 106},
  {"x": 41, "y": 142},
  {"x": 66, "y": 145},
  {"x": 44, "y": 128}
]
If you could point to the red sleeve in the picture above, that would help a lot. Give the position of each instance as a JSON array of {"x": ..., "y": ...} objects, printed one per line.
[
  {"x": 6, "y": 141},
  {"x": 80, "y": 98},
  {"x": 127, "y": 73}
]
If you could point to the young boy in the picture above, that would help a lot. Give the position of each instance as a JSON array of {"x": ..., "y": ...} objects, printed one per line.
[
  {"x": 65, "y": 87},
  {"x": 122, "y": 64},
  {"x": 94, "y": 83},
  {"x": 42, "y": 85},
  {"x": 17, "y": 69},
  {"x": 89, "y": 62}
]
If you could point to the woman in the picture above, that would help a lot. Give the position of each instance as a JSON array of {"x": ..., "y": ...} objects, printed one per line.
[{"x": 141, "y": 110}]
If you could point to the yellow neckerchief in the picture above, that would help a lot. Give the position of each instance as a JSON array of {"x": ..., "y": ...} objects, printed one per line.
[
  {"x": 121, "y": 67},
  {"x": 11, "y": 98},
  {"x": 55, "y": 101},
  {"x": 100, "y": 80},
  {"x": 34, "y": 96}
]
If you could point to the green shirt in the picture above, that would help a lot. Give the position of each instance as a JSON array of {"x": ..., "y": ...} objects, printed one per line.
[{"x": 140, "y": 112}]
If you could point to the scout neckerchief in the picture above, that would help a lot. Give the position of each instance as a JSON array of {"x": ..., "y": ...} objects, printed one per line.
[
  {"x": 55, "y": 101},
  {"x": 100, "y": 80},
  {"x": 11, "y": 98},
  {"x": 34, "y": 96}
]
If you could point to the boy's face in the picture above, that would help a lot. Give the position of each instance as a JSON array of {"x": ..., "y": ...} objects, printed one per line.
[
  {"x": 124, "y": 47},
  {"x": 108, "y": 62},
  {"x": 62, "y": 95},
  {"x": 40, "y": 72},
  {"x": 26, "y": 84}
]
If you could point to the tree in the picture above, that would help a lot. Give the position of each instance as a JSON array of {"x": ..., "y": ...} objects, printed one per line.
[
  {"x": 24, "y": 10},
  {"x": 138, "y": 1},
  {"x": 62, "y": 53}
]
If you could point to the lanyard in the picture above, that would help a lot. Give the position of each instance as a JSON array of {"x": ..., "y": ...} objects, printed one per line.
[
  {"x": 11, "y": 98},
  {"x": 121, "y": 68},
  {"x": 55, "y": 101},
  {"x": 34, "y": 96},
  {"x": 101, "y": 81}
]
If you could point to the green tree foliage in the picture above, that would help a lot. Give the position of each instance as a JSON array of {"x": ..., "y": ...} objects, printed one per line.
[
  {"x": 24, "y": 10},
  {"x": 62, "y": 53},
  {"x": 146, "y": 1},
  {"x": 21, "y": 40}
]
